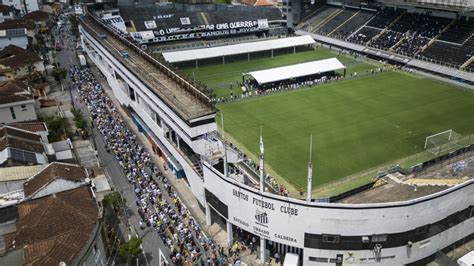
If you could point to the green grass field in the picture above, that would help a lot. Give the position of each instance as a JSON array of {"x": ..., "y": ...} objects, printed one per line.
[
  {"x": 220, "y": 76},
  {"x": 356, "y": 124}
]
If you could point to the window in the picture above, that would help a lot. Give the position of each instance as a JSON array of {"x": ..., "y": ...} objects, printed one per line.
[
  {"x": 6, "y": 13},
  {"x": 13, "y": 113},
  {"x": 318, "y": 259},
  {"x": 23, "y": 108},
  {"x": 331, "y": 238},
  {"x": 379, "y": 238}
]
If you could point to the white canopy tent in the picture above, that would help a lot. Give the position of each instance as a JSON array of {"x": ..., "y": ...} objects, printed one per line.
[
  {"x": 296, "y": 71},
  {"x": 235, "y": 49}
]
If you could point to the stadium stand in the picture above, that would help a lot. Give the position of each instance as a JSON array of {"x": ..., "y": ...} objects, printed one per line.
[
  {"x": 386, "y": 16},
  {"x": 364, "y": 35},
  {"x": 171, "y": 16},
  {"x": 336, "y": 21},
  {"x": 458, "y": 32},
  {"x": 388, "y": 39},
  {"x": 415, "y": 35},
  {"x": 320, "y": 17},
  {"x": 457, "y": 55},
  {"x": 351, "y": 25}
]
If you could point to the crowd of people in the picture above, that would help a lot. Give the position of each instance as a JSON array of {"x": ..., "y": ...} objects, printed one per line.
[{"x": 158, "y": 204}]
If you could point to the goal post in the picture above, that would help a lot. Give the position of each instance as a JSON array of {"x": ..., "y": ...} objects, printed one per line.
[
  {"x": 442, "y": 142},
  {"x": 434, "y": 139}
]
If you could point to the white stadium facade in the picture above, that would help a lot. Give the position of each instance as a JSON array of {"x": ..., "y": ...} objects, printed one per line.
[{"x": 178, "y": 124}]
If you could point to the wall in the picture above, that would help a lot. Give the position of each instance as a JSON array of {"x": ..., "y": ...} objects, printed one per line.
[
  {"x": 18, "y": 41},
  {"x": 3, "y": 156},
  {"x": 287, "y": 220},
  {"x": 31, "y": 5},
  {"x": 21, "y": 114},
  {"x": 107, "y": 64}
]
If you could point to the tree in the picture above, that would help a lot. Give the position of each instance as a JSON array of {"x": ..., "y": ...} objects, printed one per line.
[
  {"x": 131, "y": 249},
  {"x": 56, "y": 127},
  {"x": 114, "y": 200},
  {"x": 59, "y": 73}
]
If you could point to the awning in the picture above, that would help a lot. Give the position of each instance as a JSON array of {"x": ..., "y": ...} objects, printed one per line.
[
  {"x": 242, "y": 48},
  {"x": 296, "y": 71}
]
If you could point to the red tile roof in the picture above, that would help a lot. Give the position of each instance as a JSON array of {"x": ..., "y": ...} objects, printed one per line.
[
  {"x": 37, "y": 15},
  {"x": 12, "y": 91},
  {"x": 14, "y": 57},
  {"x": 30, "y": 126},
  {"x": 52, "y": 172},
  {"x": 55, "y": 228},
  {"x": 17, "y": 24},
  {"x": 20, "y": 139},
  {"x": 5, "y": 8}
]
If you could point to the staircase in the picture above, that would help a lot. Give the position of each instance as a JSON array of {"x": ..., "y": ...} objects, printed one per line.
[{"x": 467, "y": 63}]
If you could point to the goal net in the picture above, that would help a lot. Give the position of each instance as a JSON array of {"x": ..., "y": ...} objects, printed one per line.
[{"x": 442, "y": 142}]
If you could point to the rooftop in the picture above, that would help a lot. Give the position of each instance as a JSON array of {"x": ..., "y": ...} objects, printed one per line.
[
  {"x": 30, "y": 126},
  {"x": 5, "y": 8},
  {"x": 297, "y": 70},
  {"x": 20, "y": 23},
  {"x": 12, "y": 91},
  {"x": 52, "y": 172},
  {"x": 18, "y": 173},
  {"x": 20, "y": 139},
  {"x": 186, "y": 103},
  {"x": 14, "y": 57},
  {"x": 37, "y": 15},
  {"x": 54, "y": 228}
]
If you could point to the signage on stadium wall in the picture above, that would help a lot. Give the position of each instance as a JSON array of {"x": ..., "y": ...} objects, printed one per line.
[
  {"x": 203, "y": 31},
  {"x": 286, "y": 221}
]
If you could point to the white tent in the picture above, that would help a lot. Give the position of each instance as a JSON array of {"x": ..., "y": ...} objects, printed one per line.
[
  {"x": 242, "y": 48},
  {"x": 467, "y": 260},
  {"x": 296, "y": 71}
]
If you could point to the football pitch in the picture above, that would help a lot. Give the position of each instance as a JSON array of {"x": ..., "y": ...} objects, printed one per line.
[
  {"x": 356, "y": 124},
  {"x": 219, "y": 77}
]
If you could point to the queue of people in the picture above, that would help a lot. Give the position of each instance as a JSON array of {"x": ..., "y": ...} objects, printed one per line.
[{"x": 158, "y": 204}]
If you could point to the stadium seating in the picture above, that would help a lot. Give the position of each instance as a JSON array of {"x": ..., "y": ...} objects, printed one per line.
[
  {"x": 412, "y": 45},
  {"x": 320, "y": 16},
  {"x": 385, "y": 17},
  {"x": 459, "y": 31},
  {"x": 388, "y": 39},
  {"x": 353, "y": 24},
  {"x": 444, "y": 52},
  {"x": 364, "y": 35},
  {"x": 336, "y": 21}
]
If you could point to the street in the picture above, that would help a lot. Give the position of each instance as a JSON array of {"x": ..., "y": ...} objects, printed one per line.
[{"x": 150, "y": 241}]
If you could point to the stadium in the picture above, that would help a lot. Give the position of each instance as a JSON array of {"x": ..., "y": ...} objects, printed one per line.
[{"x": 339, "y": 132}]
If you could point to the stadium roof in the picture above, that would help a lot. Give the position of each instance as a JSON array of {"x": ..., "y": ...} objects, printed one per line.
[
  {"x": 296, "y": 71},
  {"x": 242, "y": 48}
]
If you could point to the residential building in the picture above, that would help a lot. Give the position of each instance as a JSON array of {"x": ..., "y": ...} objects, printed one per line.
[
  {"x": 16, "y": 102},
  {"x": 16, "y": 37},
  {"x": 21, "y": 147},
  {"x": 34, "y": 126},
  {"x": 58, "y": 222},
  {"x": 8, "y": 13},
  {"x": 16, "y": 62},
  {"x": 25, "y": 6}
]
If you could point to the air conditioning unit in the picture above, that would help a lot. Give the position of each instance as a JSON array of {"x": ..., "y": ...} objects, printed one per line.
[{"x": 365, "y": 239}]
